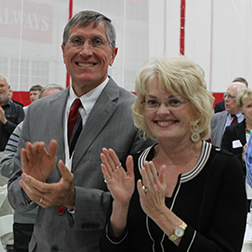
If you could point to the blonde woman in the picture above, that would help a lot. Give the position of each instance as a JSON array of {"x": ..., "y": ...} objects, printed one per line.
[{"x": 181, "y": 194}]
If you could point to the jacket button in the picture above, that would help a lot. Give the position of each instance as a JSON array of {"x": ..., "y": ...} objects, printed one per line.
[{"x": 54, "y": 248}]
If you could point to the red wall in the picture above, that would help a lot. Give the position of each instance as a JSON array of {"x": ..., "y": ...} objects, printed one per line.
[
  {"x": 24, "y": 97},
  {"x": 218, "y": 97}
]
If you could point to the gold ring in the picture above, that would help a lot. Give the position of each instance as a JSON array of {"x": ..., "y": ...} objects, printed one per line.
[
  {"x": 107, "y": 181},
  {"x": 146, "y": 189},
  {"x": 41, "y": 199},
  {"x": 118, "y": 166}
]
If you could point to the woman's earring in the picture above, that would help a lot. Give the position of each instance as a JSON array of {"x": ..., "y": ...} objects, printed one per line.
[
  {"x": 195, "y": 136},
  {"x": 144, "y": 136}
]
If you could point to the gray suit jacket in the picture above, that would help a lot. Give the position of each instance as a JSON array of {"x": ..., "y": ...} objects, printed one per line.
[
  {"x": 109, "y": 125},
  {"x": 217, "y": 127},
  {"x": 6, "y": 168}
]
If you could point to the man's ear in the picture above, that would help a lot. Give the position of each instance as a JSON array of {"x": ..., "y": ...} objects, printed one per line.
[
  {"x": 113, "y": 55},
  {"x": 63, "y": 53}
]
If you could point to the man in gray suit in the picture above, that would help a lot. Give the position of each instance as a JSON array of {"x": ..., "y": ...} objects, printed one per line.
[
  {"x": 73, "y": 198},
  {"x": 223, "y": 119}
]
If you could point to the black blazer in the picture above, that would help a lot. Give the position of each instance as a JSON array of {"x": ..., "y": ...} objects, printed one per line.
[{"x": 232, "y": 133}]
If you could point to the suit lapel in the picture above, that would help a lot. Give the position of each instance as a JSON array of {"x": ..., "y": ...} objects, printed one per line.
[
  {"x": 99, "y": 116},
  {"x": 56, "y": 131}
]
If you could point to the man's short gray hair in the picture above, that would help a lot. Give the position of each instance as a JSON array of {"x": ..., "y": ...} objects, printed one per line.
[
  {"x": 6, "y": 79},
  {"x": 50, "y": 86},
  {"x": 84, "y": 18}
]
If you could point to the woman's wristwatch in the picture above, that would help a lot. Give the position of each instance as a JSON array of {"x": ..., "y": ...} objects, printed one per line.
[{"x": 178, "y": 232}]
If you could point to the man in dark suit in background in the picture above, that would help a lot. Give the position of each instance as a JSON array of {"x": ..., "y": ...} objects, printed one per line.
[
  {"x": 74, "y": 200},
  {"x": 220, "y": 106}
]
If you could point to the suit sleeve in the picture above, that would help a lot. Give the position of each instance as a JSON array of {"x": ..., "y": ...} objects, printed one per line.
[
  {"x": 7, "y": 162},
  {"x": 16, "y": 195},
  {"x": 10, "y": 126},
  {"x": 228, "y": 221}
]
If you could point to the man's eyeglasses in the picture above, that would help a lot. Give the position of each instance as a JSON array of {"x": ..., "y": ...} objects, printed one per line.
[
  {"x": 94, "y": 43},
  {"x": 154, "y": 104},
  {"x": 229, "y": 96}
]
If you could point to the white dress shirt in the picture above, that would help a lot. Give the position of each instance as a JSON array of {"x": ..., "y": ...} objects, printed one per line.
[
  {"x": 87, "y": 101},
  {"x": 240, "y": 118}
]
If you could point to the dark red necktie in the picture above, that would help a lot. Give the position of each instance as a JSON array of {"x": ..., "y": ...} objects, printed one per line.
[
  {"x": 72, "y": 118},
  {"x": 234, "y": 120}
]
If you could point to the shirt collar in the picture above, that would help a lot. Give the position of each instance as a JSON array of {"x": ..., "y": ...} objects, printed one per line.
[
  {"x": 87, "y": 100},
  {"x": 239, "y": 115},
  {"x": 7, "y": 103}
]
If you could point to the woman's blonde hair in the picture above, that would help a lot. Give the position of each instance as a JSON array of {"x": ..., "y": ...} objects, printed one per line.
[
  {"x": 178, "y": 76},
  {"x": 243, "y": 95}
]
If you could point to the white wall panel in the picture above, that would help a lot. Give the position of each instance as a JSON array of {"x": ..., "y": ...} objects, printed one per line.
[{"x": 218, "y": 36}]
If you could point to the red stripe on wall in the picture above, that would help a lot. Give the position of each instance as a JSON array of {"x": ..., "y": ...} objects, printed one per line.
[
  {"x": 182, "y": 27},
  {"x": 24, "y": 97},
  {"x": 218, "y": 97},
  {"x": 70, "y": 15}
]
